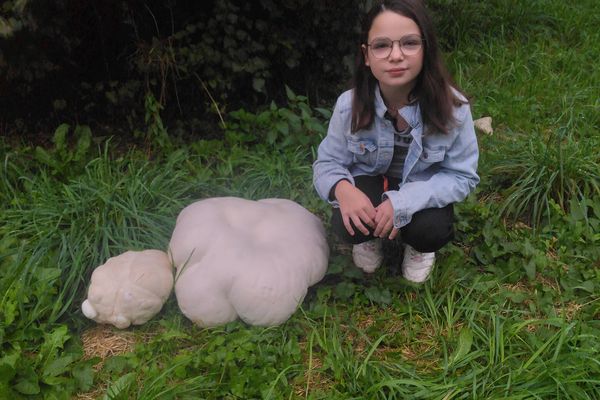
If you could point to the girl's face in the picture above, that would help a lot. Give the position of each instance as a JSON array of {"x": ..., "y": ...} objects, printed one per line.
[{"x": 396, "y": 73}]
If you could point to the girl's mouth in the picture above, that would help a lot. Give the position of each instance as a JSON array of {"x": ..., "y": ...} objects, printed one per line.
[{"x": 397, "y": 71}]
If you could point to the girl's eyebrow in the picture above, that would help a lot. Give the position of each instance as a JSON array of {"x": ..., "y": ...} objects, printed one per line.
[
  {"x": 379, "y": 37},
  {"x": 401, "y": 37}
]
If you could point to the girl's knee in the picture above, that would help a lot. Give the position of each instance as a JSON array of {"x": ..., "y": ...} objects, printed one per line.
[
  {"x": 427, "y": 241},
  {"x": 430, "y": 229}
]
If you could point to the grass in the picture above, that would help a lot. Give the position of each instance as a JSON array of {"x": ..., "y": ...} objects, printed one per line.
[
  {"x": 560, "y": 169},
  {"x": 540, "y": 88},
  {"x": 510, "y": 312}
]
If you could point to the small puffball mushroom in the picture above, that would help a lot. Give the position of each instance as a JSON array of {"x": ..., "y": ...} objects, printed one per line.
[
  {"x": 129, "y": 289},
  {"x": 249, "y": 259},
  {"x": 484, "y": 125}
]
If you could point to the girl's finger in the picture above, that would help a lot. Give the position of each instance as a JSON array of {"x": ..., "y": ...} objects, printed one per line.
[
  {"x": 381, "y": 227},
  {"x": 378, "y": 218},
  {"x": 386, "y": 228},
  {"x": 377, "y": 226},
  {"x": 346, "y": 221},
  {"x": 366, "y": 219},
  {"x": 393, "y": 234},
  {"x": 359, "y": 225},
  {"x": 371, "y": 212}
]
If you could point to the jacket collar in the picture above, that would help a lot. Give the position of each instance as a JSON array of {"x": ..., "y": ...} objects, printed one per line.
[{"x": 410, "y": 112}]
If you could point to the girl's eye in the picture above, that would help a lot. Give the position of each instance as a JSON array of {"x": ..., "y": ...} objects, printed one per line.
[
  {"x": 411, "y": 42},
  {"x": 381, "y": 45}
]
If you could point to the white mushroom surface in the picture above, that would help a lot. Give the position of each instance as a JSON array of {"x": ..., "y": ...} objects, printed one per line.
[
  {"x": 130, "y": 288},
  {"x": 484, "y": 125},
  {"x": 249, "y": 259}
]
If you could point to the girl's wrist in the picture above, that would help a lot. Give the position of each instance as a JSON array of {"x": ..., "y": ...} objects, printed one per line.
[{"x": 340, "y": 188}]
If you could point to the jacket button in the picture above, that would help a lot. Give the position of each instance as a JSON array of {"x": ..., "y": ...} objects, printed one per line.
[{"x": 425, "y": 155}]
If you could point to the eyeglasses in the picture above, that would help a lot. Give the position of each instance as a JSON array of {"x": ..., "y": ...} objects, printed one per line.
[{"x": 409, "y": 46}]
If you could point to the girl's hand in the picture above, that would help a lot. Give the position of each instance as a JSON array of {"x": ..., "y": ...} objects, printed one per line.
[
  {"x": 384, "y": 220},
  {"x": 355, "y": 206}
]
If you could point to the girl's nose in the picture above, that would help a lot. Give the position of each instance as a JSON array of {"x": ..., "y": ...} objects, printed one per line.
[{"x": 396, "y": 53}]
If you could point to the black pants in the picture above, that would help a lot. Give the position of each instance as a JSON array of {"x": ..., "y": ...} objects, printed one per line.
[{"x": 429, "y": 230}]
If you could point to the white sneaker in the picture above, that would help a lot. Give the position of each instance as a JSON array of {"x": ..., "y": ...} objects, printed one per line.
[
  {"x": 368, "y": 256},
  {"x": 417, "y": 266}
]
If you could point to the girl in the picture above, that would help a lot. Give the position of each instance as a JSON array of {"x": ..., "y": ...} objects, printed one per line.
[{"x": 401, "y": 147}]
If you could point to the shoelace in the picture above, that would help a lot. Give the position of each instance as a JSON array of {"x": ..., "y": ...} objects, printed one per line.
[{"x": 417, "y": 258}]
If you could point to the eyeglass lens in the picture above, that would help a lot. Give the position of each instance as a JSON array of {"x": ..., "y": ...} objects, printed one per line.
[{"x": 409, "y": 45}]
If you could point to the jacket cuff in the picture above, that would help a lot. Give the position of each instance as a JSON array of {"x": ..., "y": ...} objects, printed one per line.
[
  {"x": 402, "y": 216},
  {"x": 332, "y": 191},
  {"x": 325, "y": 185}
]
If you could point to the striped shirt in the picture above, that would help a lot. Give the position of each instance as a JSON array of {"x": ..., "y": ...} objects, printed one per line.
[{"x": 402, "y": 140}]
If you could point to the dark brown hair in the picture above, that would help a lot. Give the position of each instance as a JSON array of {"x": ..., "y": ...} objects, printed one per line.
[{"x": 433, "y": 89}]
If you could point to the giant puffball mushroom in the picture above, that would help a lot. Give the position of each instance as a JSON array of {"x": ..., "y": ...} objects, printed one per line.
[
  {"x": 249, "y": 259},
  {"x": 129, "y": 289}
]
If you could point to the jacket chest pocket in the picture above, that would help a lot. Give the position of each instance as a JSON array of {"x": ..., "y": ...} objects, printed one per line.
[
  {"x": 363, "y": 151},
  {"x": 429, "y": 157}
]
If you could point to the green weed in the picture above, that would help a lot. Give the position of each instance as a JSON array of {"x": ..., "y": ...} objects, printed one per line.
[
  {"x": 156, "y": 133},
  {"x": 560, "y": 168},
  {"x": 66, "y": 158},
  {"x": 295, "y": 125}
]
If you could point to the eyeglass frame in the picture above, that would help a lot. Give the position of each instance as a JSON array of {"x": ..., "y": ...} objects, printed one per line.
[{"x": 422, "y": 40}]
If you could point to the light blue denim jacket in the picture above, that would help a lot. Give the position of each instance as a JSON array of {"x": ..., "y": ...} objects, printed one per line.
[{"x": 439, "y": 169}]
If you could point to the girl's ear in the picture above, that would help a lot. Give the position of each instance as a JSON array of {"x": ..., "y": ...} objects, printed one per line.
[{"x": 365, "y": 54}]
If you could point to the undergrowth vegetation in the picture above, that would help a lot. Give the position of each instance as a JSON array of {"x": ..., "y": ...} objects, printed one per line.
[{"x": 511, "y": 312}]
